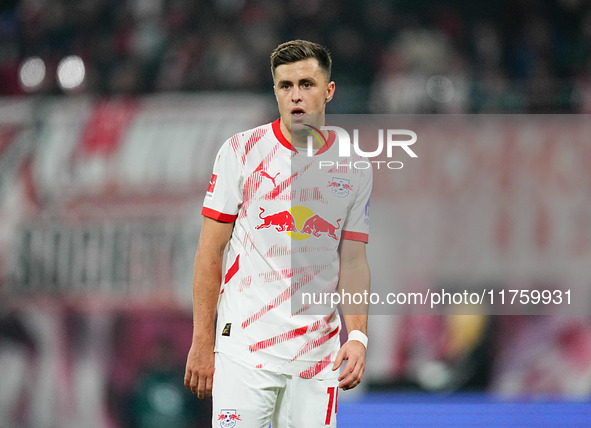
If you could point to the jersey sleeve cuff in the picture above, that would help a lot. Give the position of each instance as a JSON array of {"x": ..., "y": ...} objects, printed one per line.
[
  {"x": 216, "y": 215},
  {"x": 355, "y": 236}
]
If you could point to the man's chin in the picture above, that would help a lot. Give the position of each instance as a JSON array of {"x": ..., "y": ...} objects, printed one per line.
[
  {"x": 298, "y": 127},
  {"x": 300, "y": 124}
]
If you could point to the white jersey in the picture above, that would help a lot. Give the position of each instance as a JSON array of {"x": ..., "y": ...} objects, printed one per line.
[{"x": 289, "y": 216}]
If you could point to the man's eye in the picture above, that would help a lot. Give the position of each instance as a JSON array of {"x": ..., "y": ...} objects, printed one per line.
[{"x": 307, "y": 85}]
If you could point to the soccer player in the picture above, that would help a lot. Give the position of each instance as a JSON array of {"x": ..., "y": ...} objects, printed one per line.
[{"x": 289, "y": 226}]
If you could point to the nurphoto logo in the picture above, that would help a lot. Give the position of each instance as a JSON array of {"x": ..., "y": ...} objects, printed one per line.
[{"x": 388, "y": 139}]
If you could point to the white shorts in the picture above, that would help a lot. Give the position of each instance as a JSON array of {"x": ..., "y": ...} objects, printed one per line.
[{"x": 246, "y": 397}]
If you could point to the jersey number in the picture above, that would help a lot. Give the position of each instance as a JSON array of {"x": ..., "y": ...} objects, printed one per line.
[{"x": 333, "y": 393}]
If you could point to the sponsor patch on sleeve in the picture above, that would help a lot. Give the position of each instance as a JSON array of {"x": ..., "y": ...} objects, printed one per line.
[{"x": 211, "y": 186}]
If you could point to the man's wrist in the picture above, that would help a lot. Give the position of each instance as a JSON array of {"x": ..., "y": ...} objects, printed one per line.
[
  {"x": 359, "y": 336},
  {"x": 204, "y": 339}
]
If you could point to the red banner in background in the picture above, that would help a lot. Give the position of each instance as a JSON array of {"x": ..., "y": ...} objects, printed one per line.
[
  {"x": 7, "y": 134},
  {"x": 106, "y": 126},
  {"x": 489, "y": 197}
]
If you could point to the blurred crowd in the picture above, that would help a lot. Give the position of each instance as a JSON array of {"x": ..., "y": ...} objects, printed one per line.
[{"x": 400, "y": 56}]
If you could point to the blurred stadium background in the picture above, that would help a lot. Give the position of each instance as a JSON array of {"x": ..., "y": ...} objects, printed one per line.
[{"x": 111, "y": 112}]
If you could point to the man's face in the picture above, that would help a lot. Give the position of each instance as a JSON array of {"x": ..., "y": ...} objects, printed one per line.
[{"x": 301, "y": 88}]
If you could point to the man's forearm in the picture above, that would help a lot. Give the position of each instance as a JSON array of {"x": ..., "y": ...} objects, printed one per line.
[
  {"x": 206, "y": 290},
  {"x": 355, "y": 278},
  {"x": 207, "y": 278},
  {"x": 356, "y": 322}
]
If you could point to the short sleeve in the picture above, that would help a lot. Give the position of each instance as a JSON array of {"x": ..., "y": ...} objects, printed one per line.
[
  {"x": 224, "y": 195},
  {"x": 356, "y": 227}
]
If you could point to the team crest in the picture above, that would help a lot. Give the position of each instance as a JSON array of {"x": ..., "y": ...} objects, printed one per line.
[
  {"x": 228, "y": 418},
  {"x": 340, "y": 187}
]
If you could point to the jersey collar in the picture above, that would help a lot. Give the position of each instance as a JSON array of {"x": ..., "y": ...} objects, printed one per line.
[{"x": 284, "y": 142}]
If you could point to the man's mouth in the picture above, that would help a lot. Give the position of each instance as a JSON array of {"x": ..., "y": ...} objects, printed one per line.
[{"x": 297, "y": 112}]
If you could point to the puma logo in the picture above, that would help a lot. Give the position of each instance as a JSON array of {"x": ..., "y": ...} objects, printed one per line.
[{"x": 264, "y": 174}]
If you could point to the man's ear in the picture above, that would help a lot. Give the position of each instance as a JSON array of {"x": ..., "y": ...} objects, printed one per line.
[{"x": 329, "y": 92}]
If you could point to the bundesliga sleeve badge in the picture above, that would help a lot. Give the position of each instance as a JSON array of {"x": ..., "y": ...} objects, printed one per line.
[{"x": 211, "y": 186}]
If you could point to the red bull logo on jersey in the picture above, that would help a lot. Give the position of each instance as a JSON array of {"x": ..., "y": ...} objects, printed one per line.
[
  {"x": 300, "y": 223},
  {"x": 341, "y": 187},
  {"x": 282, "y": 221},
  {"x": 316, "y": 226},
  {"x": 228, "y": 418}
]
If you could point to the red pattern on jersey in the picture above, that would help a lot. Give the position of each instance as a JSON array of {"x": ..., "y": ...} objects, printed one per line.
[
  {"x": 313, "y": 344},
  {"x": 316, "y": 368},
  {"x": 312, "y": 195},
  {"x": 235, "y": 143},
  {"x": 278, "y": 251},
  {"x": 248, "y": 242},
  {"x": 280, "y": 188},
  {"x": 308, "y": 273},
  {"x": 292, "y": 334},
  {"x": 254, "y": 138},
  {"x": 233, "y": 269},
  {"x": 253, "y": 182},
  {"x": 301, "y": 171},
  {"x": 245, "y": 283},
  {"x": 342, "y": 169},
  {"x": 272, "y": 275},
  {"x": 284, "y": 250},
  {"x": 303, "y": 309}
]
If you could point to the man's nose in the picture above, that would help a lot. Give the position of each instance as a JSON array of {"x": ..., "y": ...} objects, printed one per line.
[{"x": 295, "y": 94}]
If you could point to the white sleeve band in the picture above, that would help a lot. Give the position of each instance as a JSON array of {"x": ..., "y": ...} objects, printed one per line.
[{"x": 359, "y": 336}]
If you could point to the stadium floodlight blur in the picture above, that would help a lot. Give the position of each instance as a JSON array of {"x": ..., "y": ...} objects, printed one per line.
[
  {"x": 71, "y": 72},
  {"x": 32, "y": 73}
]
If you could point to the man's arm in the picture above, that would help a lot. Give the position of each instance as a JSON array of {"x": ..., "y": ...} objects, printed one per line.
[
  {"x": 207, "y": 278},
  {"x": 354, "y": 278}
]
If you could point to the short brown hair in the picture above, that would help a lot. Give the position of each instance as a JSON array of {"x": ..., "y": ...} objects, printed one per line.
[{"x": 299, "y": 50}]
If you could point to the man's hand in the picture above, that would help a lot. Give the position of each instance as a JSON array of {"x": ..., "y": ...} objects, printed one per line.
[
  {"x": 199, "y": 370},
  {"x": 354, "y": 352}
]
